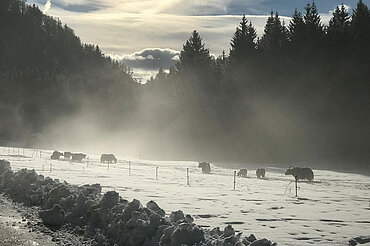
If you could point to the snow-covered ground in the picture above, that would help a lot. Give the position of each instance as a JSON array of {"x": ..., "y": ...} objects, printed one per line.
[{"x": 329, "y": 211}]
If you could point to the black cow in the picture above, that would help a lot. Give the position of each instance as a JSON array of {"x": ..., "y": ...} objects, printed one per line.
[
  {"x": 109, "y": 158},
  {"x": 243, "y": 172},
  {"x": 206, "y": 167},
  {"x": 301, "y": 173},
  {"x": 260, "y": 172},
  {"x": 67, "y": 155},
  {"x": 56, "y": 155},
  {"x": 77, "y": 157}
]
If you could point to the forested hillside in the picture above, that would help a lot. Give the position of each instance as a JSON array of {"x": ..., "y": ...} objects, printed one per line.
[
  {"x": 46, "y": 73},
  {"x": 298, "y": 93}
]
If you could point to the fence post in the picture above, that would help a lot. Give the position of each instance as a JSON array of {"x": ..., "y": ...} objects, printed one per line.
[
  {"x": 43, "y": 168},
  {"x": 51, "y": 165},
  {"x": 156, "y": 173},
  {"x": 234, "y": 179},
  {"x": 187, "y": 176},
  {"x": 296, "y": 186},
  {"x": 88, "y": 160},
  {"x": 108, "y": 165},
  {"x": 129, "y": 168}
]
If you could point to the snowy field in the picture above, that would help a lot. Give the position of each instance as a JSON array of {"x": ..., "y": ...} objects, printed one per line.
[{"x": 329, "y": 211}]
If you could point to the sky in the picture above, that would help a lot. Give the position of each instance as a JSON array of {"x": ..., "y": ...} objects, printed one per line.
[{"x": 149, "y": 34}]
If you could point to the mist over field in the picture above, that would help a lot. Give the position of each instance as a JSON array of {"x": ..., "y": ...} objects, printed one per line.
[{"x": 296, "y": 92}]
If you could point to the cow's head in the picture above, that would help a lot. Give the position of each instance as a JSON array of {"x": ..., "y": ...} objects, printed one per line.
[{"x": 289, "y": 171}]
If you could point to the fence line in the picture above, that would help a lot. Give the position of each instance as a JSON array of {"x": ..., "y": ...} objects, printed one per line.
[{"x": 95, "y": 162}]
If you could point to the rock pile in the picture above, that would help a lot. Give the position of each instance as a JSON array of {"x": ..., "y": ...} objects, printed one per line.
[{"x": 108, "y": 218}]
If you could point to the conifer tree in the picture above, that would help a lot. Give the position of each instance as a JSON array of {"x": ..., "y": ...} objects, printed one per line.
[
  {"x": 338, "y": 31},
  {"x": 296, "y": 28},
  {"x": 194, "y": 54},
  {"x": 360, "y": 24},
  {"x": 275, "y": 35},
  {"x": 314, "y": 31},
  {"x": 243, "y": 43}
]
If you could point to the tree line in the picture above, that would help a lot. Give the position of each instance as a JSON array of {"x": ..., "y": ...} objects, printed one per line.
[{"x": 297, "y": 93}]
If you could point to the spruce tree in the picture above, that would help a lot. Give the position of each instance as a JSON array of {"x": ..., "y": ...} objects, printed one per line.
[
  {"x": 360, "y": 24},
  {"x": 243, "y": 43},
  {"x": 360, "y": 31},
  {"x": 314, "y": 31},
  {"x": 194, "y": 55},
  {"x": 338, "y": 31},
  {"x": 296, "y": 28},
  {"x": 275, "y": 35}
]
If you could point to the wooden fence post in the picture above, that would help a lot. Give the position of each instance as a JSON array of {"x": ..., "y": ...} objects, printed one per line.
[
  {"x": 296, "y": 186},
  {"x": 234, "y": 179},
  {"x": 129, "y": 168},
  {"x": 156, "y": 173},
  {"x": 187, "y": 176}
]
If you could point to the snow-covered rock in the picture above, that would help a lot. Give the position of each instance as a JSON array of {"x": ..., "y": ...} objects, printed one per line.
[{"x": 52, "y": 217}]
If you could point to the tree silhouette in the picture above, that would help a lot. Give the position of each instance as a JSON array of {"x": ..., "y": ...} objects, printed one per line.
[
  {"x": 275, "y": 36},
  {"x": 243, "y": 43},
  {"x": 314, "y": 31},
  {"x": 194, "y": 55}
]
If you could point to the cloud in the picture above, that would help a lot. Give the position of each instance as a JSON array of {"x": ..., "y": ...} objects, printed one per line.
[
  {"x": 150, "y": 59},
  {"x": 127, "y": 26},
  {"x": 147, "y": 62},
  {"x": 47, "y": 6}
]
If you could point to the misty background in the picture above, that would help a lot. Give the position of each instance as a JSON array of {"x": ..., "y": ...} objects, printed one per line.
[{"x": 297, "y": 93}]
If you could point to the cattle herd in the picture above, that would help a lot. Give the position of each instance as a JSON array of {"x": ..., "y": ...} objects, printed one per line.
[
  {"x": 297, "y": 172},
  {"x": 78, "y": 157}
]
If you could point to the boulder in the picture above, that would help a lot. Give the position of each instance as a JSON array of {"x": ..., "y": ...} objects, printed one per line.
[
  {"x": 188, "y": 234},
  {"x": 52, "y": 217},
  {"x": 262, "y": 242},
  {"x": 229, "y": 231},
  {"x": 109, "y": 200},
  {"x": 176, "y": 216},
  {"x": 251, "y": 238},
  {"x": 4, "y": 166},
  {"x": 189, "y": 219}
]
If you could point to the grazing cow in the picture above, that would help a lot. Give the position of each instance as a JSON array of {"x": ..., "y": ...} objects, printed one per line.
[
  {"x": 77, "y": 157},
  {"x": 67, "y": 155},
  {"x": 109, "y": 158},
  {"x": 301, "y": 173},
  {"x": 56, "y": 155},
  {"x": 260, "y": 172},
  {"x": 243, "y": 173},
  {"x": 206, "y": 167}
]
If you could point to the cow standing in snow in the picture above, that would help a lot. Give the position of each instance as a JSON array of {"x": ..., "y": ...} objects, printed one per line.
[
  {"x": 243, "y": 173},
  {"x": 206, "y": 167},
  {"x": 260, "y": 172},
  {"x": 109, "y": 158},
  {"x": 301, "y": 173}
]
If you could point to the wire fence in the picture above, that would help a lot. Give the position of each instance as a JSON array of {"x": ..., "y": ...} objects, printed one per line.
[{"x": 129, "y": 167}]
